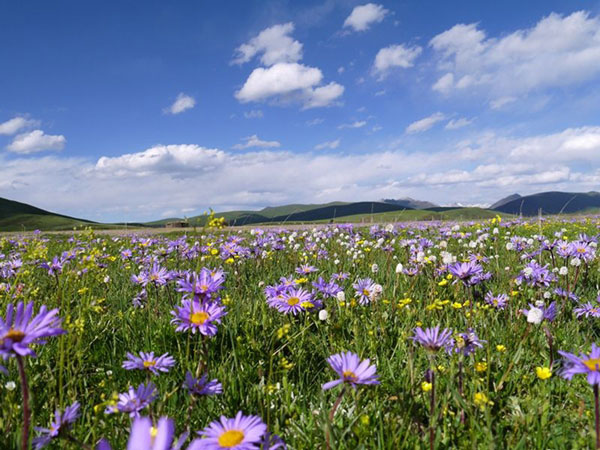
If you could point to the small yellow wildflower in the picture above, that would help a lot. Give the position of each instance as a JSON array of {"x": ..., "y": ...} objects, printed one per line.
[
  {"x": 501, "y": 348},
  {"x": 426, "y": 386},
  {"x": 481, "y": 366},
  {"x": 481, "y": 400},
  {"x": 543, "y": 373}
]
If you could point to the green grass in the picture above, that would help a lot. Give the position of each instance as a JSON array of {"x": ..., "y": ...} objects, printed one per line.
[{"x": 277, "y": 374}]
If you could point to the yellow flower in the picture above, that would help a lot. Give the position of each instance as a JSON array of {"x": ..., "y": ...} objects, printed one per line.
[
  {"x": 443, "y": 283},
  {"x": 480, "y": 366},
  {"x": 457, "y": 305},
  {"x": 543, "y": 373},
  {"x": 481, "y": 400},
  {"x": 500, "y": 348},
  {"x": 426, "y": 386},
  {"x": 364, "y": 419}
]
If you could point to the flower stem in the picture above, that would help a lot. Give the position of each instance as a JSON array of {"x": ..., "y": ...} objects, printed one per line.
[
  {"x": 26, "y": 411},
  {"x": 432, "y": 412},
  {"x": 338, "y": 400},
  {"x": 597, "y": 410}
]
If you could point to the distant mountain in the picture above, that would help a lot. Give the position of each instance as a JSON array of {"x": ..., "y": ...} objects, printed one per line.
[
  {"x": 410, "y": 203},
  {"x": 17, "y": 216},
  {"x": 505, "y": 200},
  {"x": 552, "y": 203}
]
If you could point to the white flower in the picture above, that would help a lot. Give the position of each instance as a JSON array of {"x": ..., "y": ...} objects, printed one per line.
[
  {"x": 10, "y": 386},
  {"x": 547, "y": 294},
  {"x": 323, "y": 314},
  {"x": 575, "y": 262},
  {"x": 399, "y": 268},
  {"x": 389, "y": 228},
  {"x": 341, "y": 296},
  {"x": 509, "y": 246},
  {"x": 535, "y": 316},
  {"x": 495, "y": 231},
  {"x": 374, "y": 268},
  {"x": 563, "y": 270}
]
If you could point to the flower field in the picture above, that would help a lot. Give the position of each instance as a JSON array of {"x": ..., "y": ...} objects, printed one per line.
[{"x": 436, "y": 335}]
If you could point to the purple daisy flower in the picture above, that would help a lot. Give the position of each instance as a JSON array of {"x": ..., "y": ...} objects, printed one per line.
[
  {"x": 144, "y": 436},
  {"x": 198, "y": 316},
  {"x": 61, "y": 422},
  {"x": 134, "y": 400},
  {"x": 147, "y": 361},
  {"x": 585, "y": 364},
  {"x": 497, "y": 301},
  {"x": 294, "y": 301},
  {"x": 468, "y": 342},
  {"x": 240, "y": 433},
  {"x": 432, "y": 339},
  {"x": 588, "y": 310},
  {"x": 365, "y": 289},
  {"x": 158, "y": 275},
  {"x": 202, "y": 385},
  {"x": 18, "y": 330},
  {"x": 468, "y": 272},
  {"x": 351, "y": 370}
]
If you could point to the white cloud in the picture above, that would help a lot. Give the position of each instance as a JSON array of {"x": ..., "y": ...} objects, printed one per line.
[
  {"x": 15, "y": 124},
  {"x": 425, "y": 124},
  {"x": 328, "y": 144},
  {"x": 289, "y": 82},
  {"x": 455, "y": 124},
  {"x": 36, "y": 141},
  {"x": 275, "y": 45},
  {"x": 284, "y": 80},
  {"x": 363, "y": 16},
  {"x": 394, "y": 56},
  {"x": 355, "y": 124},
  {"x": 557, "y": 51},
  {"x": 143, "y": 185},
  {"x": 182, "y": 103},
  {"x": 323, "y": 95},
  {"x": 254, "y": 141},
  {"x": 501, "y": 102},
  {"x": 253, "y": 114}
]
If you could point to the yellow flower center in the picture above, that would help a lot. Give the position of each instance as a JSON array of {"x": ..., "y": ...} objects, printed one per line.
[
  {"x": 366, "y": 292},
  {"x": 153, "y": 432},
  {"x": 293, "y": 301},
  {"x": 203, "y": 287},
  {"x": 349, "y": 375},
  {"x": 14, "y": 335},
  {"x": 231, "y": 438},
  {"x": 198, "y": 318},
  {"x": 307, "y": 305},
  {"x": 593, "y": 364},
  {"x": 149, "y": 364}
]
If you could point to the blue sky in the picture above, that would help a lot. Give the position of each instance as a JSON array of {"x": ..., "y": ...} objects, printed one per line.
[{"x": 142, "y": 110}]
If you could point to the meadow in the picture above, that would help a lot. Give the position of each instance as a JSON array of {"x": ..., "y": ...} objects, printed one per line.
[{"x": 259, "y": 322}]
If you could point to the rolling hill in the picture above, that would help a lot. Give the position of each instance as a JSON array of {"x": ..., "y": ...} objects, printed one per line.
[
  {"x": 17, "y": 216},
  {"x": 552, "y": 203}
]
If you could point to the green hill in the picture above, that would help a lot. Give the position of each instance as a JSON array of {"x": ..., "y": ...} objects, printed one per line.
[
  {"x": 17, "y": 216},
  {"x": 552, "y": 203}
]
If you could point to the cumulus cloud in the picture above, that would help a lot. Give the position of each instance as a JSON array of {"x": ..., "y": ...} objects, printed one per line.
[
  {"x": 274, "y": 44},
  {"x": 289, "y": 82},
  {"x": 425, "y": 124},
  {"x": 36, "y": 141},
  {"x": 182, "y": 103},
  {"x": 254, "y": 141},
  {"x": 328, "y": 144},
  {"x": 394, "y": 56},
  {"x": 363, "y": 16},
  {"x": 557, "y": 51},
  {"x": 186, "y": 178},
  {"x": 15, "y": 124},
  {"x": 355, "y": 124},
  {"x": 284, "y": 79}
]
